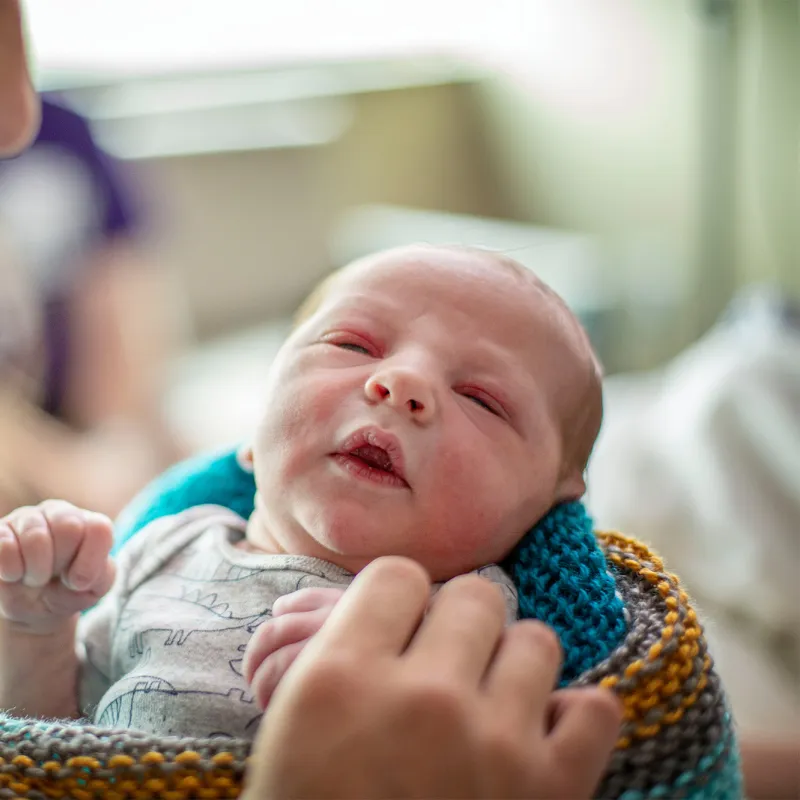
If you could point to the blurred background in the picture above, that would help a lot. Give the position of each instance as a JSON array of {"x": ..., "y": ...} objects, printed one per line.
[{"x": 218, "y": 159}]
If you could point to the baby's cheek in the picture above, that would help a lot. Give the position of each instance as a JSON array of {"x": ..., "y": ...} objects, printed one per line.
[
  {"x": 475, "y": 501},
  {"x": 281, "y": 435},
  {"x": 302, "y": 409},
  {"x": 455, "y": 537}
]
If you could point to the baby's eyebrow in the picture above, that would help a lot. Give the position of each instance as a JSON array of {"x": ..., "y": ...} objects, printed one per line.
[
  {"x": 490, "y": 357},
  {"x": 512, "y": 382},
  {"x": 364, "y": 305}
]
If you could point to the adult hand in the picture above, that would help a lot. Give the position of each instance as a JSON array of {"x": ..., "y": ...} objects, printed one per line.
[
  {"x": 19, "y": 105},
  {"x": 390, "y": 701}
]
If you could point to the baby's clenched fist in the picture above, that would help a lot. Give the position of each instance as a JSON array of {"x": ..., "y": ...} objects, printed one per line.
[{"x": 54, "y": 563}]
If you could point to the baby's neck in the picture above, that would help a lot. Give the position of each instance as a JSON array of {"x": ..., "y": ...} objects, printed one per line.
[
  {"x": 258, "y": 538},
  {"x": 249, "y": 547}
]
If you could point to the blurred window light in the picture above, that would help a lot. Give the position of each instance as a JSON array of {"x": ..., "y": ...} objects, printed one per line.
[
  {"x": 259, "y": 127},
  {"x": 299, "y": 106},
  {"x": 595, "y": 52},
  {"x": 584, "y": 56}
]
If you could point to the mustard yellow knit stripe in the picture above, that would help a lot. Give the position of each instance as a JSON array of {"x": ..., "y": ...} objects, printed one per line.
[
  {"x": 142, "y": 779},
  {"x": 657, "y": 690}
]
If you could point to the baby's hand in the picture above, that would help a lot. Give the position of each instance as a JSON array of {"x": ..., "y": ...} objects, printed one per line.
[
  {"x": 296, "y": 617},
  {"x": 54, "y": 563}
]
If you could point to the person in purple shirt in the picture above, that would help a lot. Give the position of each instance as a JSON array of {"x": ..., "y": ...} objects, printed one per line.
[{"x": 86, "y": 328}]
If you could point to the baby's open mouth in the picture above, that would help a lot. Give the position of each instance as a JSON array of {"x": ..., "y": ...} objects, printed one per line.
[{"x": 375, "y": 457}]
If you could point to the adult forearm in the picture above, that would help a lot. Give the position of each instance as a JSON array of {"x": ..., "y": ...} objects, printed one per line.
[
  {"x": 19, "y": 111},
  {"x": 39, "y": 673}
]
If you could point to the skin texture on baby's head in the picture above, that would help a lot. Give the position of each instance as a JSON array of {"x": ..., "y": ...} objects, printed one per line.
[{"x": 432, "y": 402}]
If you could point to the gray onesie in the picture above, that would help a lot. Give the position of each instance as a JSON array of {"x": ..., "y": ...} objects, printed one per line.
[{"x": 162, "y": 652}]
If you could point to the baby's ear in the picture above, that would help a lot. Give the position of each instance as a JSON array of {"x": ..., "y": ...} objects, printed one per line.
[
  {"x": 572, "y": 486},
  {"x": 244, "y": 455}
]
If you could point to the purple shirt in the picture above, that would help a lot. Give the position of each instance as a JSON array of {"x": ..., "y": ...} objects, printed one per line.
[{"x": 60, "y": 200}]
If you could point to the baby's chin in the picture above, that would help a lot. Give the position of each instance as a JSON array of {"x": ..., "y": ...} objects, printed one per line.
[
  {"x": 351, "y": 538},
  {"x": 353, "y": 555}
]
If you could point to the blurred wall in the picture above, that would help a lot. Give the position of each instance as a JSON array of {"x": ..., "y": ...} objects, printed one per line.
[
  {"x": 609, "y": 145},
  {"x": 247, "y": 231},
  {"x": 675, "y": 141},
  {"x": 602, "y": 140},
  {"x": 768, "y": 122},
  {"x": 668, "y": 129}
]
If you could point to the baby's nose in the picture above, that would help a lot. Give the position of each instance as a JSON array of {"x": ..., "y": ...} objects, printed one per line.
[{"x": 404, "y": 391}]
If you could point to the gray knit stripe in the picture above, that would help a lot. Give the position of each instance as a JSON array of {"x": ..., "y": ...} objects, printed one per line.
[{"x": 678, "y": 747}]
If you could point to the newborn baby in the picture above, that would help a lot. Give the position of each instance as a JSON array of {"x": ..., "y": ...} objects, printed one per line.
[{"x": 432, "y": 402}]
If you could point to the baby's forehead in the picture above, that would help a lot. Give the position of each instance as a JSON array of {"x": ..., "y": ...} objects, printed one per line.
[
  {"x": 433, "y": 257},
  {"x": 510, "y": 303},
  {"x": 453, "y": 271},
  {"x": 439, "y": 280}
]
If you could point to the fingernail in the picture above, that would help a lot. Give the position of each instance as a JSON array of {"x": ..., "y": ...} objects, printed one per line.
[{"x": 69, "y": 584}]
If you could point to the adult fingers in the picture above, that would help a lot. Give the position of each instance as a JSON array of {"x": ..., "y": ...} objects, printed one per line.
[
  {"x": 585, "y": 727},
  {"x": 524, "y": 672},
  {"x": 462, "y": 629},
  {"x": 19, "y": 105},
  {"x": 379, "y": 612}
]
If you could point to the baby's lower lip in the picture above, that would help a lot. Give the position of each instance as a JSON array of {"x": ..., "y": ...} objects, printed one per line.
[{"x": 359, "y": 468}]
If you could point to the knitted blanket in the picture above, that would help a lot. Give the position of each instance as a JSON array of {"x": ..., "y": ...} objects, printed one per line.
[{"x": 624, "y": 623}]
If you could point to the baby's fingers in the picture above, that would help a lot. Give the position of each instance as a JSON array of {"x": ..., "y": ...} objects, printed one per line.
[
  {"x": 35, "y": 545},
  {"x": 272, "y": 669},
  {"x": 306, "y": 600},
  {"x": 90, "y": 569},
  {"x": 12, "y": 567},
  {"x": 66, "y": 523},
  {"x": 280, "y": 632},
  {"x": 64, "y": 602}
]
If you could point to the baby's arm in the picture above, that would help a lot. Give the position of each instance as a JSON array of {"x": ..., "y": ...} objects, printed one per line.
[{"x": 54, "y": 563}]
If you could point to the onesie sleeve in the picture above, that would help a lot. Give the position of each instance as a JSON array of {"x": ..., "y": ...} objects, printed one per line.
[{"x": 499, "y": 576}]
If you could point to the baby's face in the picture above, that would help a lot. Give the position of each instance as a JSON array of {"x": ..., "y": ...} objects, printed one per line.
[{"x": 419, "y": 412}]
